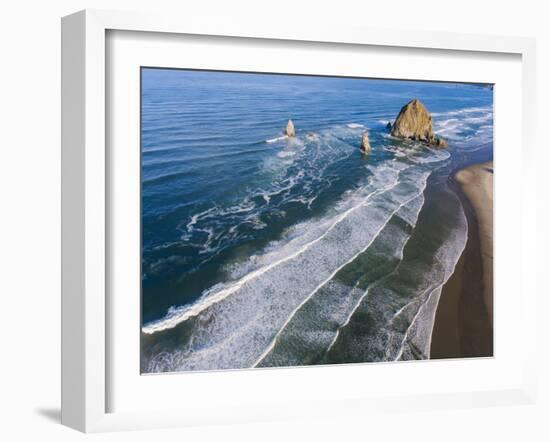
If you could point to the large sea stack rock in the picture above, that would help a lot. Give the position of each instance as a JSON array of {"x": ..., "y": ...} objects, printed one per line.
[
  {"x": 414, "y": 122},
  {"x": 289, "y": 131},
  {"x": 365, "y": 145}
]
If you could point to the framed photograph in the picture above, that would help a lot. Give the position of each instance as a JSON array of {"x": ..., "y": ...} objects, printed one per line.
[{"x": 262, "y": 223}]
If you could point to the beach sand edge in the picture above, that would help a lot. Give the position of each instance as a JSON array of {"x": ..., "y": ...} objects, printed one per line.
[{"x": 463, "y": 325}]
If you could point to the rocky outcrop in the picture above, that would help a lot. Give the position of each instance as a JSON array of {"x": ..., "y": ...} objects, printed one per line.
[
  {"x": 414, "y": 122},
  {"x": 388, "y": 126},
  {"x": 289, "y": 131},
  {"x": 365, "y": 144}
]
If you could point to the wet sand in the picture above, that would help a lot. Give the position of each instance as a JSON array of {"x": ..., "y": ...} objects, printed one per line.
[{"x": 464, "y": 317}]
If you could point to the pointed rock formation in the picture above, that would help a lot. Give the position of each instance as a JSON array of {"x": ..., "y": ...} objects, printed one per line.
[
  {"x": 388, "y": 126},
  {"x": 365, "y": 145},
  {"x": 289, "y": 131},
  {"x": 414, "y": 122}
]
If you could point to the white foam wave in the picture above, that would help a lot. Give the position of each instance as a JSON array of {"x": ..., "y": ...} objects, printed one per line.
[
  {"x": 465, "y": 111},
  {"x": 178, "y": 315},
  {"x": 234, "y": 324},
  {"x": 302, "y": 233},
  {"x": 190, "y": 226},
  {"x": 411, "y": 216},
  {"x": 465, "y": 124},
  {"x": 333, "y": 305},
  {"x": 401, "y": 307},
  {"x": 274, "y": 140},
  {"x": 418, "y": 153},
  {"x": 303, "y": 166},
  {"x": 417, "y": 336},
  {"x": 322, "y": 283},
  {"x": 286, "y": 154},
  {"x": 420, "y": 328},
  {"x": 205, "y": 224}
]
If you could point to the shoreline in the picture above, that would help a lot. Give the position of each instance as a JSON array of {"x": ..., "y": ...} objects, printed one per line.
[{"x": 464, "y": 315}]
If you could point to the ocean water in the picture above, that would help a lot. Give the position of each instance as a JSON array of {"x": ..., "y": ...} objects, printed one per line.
[{"x": 261, "y": 251}]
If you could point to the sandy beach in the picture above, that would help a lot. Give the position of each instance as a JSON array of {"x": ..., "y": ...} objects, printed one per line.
[
  {"x": 464, "y": 318},
  {"x": 477, "y": 184}
]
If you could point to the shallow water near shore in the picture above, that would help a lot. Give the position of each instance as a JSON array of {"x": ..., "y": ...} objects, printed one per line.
[{"x": 260, "y": 250}]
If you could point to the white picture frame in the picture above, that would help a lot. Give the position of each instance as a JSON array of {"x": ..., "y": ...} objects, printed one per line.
[{"x": 86, "y": 205}]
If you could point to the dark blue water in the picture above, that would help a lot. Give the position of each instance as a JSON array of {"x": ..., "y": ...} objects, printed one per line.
[{"x": 258, "y": 250}]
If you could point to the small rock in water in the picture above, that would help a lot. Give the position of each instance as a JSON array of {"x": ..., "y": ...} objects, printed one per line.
[
  {"x": 289, "y": 131},
  {"x": 388, "y": 126},
  {"x": 414, "y": 122},
  {"x": 439, "y": 143},
  {"x": 365, "y": 145}
]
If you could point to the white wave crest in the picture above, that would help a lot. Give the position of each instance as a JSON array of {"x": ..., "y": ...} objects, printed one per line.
[
  {"x": 274, "y": 140},
  {"x": 236, "y": 323},
  {"x": 213, "y": 296},
  {"x": 465, "y": 124}
]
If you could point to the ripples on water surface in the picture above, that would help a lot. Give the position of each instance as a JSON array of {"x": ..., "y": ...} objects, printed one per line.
[{"x": 259, "y": 250}]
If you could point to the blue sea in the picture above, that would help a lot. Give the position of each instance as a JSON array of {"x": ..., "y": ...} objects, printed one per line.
[{"x": 260, "y": 250}]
